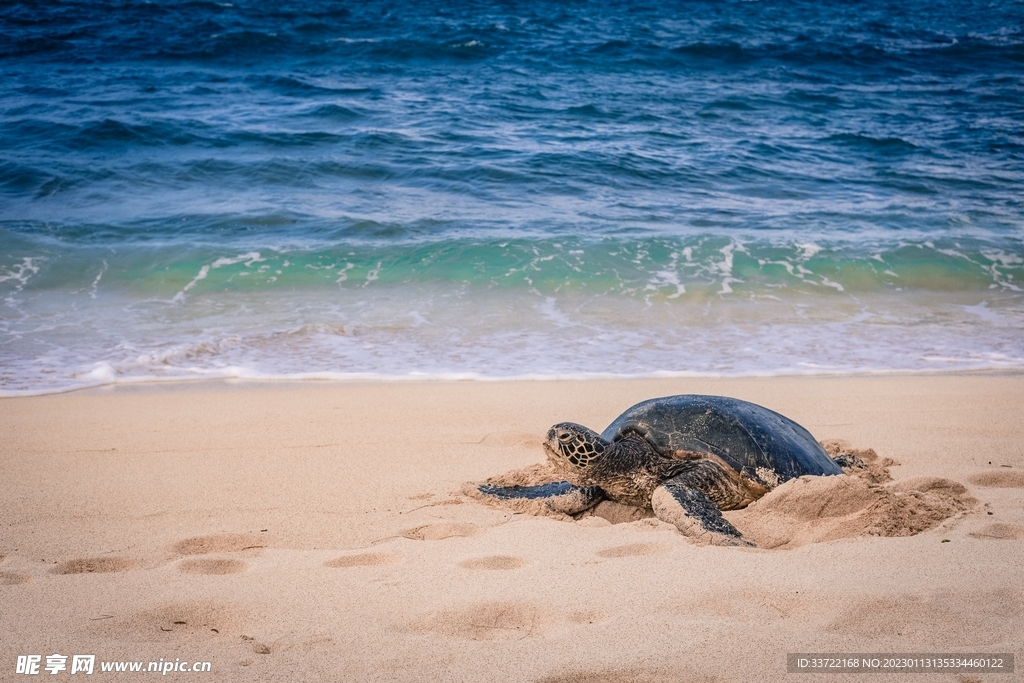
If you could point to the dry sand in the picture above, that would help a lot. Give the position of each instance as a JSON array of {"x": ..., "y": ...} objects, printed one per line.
[{"x": 317, "y": 532}]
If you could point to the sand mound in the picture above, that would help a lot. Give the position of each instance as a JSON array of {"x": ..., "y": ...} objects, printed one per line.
[
  {"x": 862, "y": 462},
  {"x": 531, "y": 475},
  {"x": 815, "y": 509}
]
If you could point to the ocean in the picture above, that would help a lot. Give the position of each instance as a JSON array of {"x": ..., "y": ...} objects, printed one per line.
[{"x": 487, "y": 190}]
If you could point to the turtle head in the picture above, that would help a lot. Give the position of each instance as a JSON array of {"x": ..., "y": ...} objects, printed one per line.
[{"x": 573, "y": 444}]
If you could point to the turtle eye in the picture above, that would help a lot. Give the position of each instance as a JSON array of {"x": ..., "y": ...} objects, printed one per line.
[{"x": 565, "y": 437}]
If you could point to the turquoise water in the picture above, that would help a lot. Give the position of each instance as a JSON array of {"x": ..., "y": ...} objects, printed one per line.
[{"x": 324, "y": 189}]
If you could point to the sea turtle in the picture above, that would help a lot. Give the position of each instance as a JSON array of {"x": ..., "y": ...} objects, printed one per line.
[{"x": 688, "y": 457}]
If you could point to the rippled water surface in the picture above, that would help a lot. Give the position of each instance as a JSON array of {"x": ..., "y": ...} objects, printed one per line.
[{"x": 481, "y": 189}]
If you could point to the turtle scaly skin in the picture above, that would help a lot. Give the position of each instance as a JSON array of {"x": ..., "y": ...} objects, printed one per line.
[{"x": 629, "y": 477}]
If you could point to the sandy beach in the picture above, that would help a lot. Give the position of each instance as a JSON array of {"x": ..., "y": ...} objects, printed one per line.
[
  {"x": 318, "y": 531},
  {"x": 291, "y": 295}
]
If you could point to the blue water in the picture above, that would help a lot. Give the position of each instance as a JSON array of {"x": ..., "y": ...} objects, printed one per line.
[{"x": 486, "y": 189}]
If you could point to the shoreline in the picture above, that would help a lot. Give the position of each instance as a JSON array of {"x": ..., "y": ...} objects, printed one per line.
[
  {"x": 324, "y": 379},
  {"x": 307, "y": 529}
]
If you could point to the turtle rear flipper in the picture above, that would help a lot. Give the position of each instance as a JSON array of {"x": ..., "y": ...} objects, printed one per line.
[
  {"x": 849, "y": 461},
  {"x": 692, "y": 512},
  {"x": 559, "y": 496}
]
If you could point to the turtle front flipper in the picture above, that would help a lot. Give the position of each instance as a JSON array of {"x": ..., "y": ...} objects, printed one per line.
[
  {"x": 692, "y": 512},
  {"x": 559, "y": 496}
]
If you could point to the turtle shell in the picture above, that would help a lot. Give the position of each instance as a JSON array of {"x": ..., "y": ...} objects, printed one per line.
[{"x": 757, "y": 442}]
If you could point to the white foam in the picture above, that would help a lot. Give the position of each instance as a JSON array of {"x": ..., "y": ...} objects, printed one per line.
[
  {"x": 1000, "y": 259},
  {"x": 548, "y": 310},
  {"x": 248, "y": 258},
  {"x": 96, "y": 282},
  {"x": 203, "y": 272},
  {"x": 21, "y": 272},
  {"x": 808, "y": 250},
  {"x": 373, "y": 274},
  {"x": 101, "y": 373},
  {"x": 343, "y": 273},
  {"x": 828, "y": 283},
  {"x": 724, "y": 267},
  {"x": 668, "y": 277}
]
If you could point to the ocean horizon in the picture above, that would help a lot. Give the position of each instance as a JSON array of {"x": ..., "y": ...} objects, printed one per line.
[{"x": 479, "y": 190}]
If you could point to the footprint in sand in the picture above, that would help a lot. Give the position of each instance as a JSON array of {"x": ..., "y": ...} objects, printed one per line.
[
  {"x": 437, "y": 532},
  {"x": 212, "y": 566},
  {"x": 95, "y": 565},
  {"x": 364, "y": 560},
  {"x": 585, "y": 616},
  {"x": 1010, "y": 532},
  {"x": 219, "y": 543},
  {"x": 173, "y": 621},
  {"x": 486, "y": 621},
  {"x": 957, "y": 620},
  {"x": 1006, "y": 479},
  {"x": 13, "y": 578},
  {"x": 635, "y": 550},
  {"x": 494, "y": 562}
]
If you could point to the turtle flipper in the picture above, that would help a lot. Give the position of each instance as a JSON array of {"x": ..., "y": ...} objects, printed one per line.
[
  {"x": 849, "y": 461},
  {"x": 726, "y": 489},
  {"x": 692, "y": 512},
  {"x": 559, "y": 496}
]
